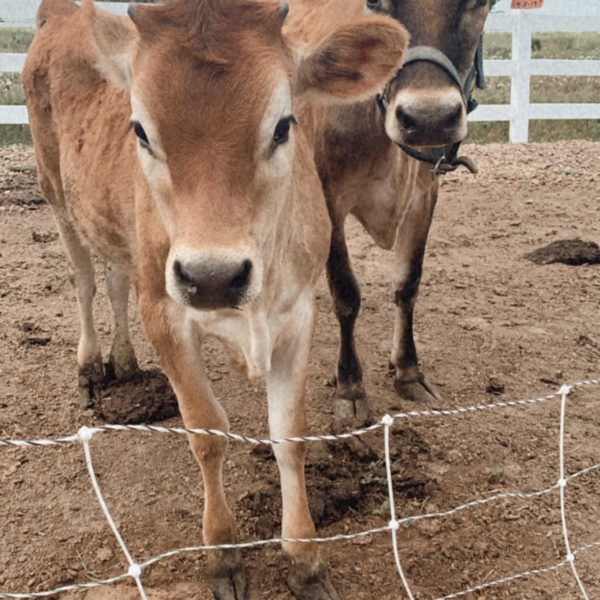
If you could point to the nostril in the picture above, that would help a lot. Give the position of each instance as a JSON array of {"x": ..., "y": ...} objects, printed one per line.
[
  {"x": 408, "y": 123},
  {"x": 184, "y": 278},
  {"x": 242, "y": 277},
  {"x": 452, "y": 121},
  {"x": 179, "y": 272}
]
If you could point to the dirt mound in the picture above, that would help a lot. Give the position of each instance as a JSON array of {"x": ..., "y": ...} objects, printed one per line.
[
  {"x": 570, "y": 252},
  {"x": 145, "y": 398}
]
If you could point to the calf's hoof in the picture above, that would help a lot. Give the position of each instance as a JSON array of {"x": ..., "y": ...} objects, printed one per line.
[
  {"x": 90, "y": 378},
  {"x": 227, "y": 576},
  {"x": 119, "y": 371},
  {"x": 416, "y": 389},
  {"x": 350, "y": 404},
  {"x": 310, "y": 582}
]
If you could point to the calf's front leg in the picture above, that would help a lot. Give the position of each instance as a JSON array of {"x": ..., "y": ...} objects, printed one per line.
[
  {"x": 177, "y": 344},
  {"x": 286, "y": 382}
]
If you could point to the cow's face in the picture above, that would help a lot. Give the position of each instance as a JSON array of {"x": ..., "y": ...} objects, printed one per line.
[
  {"x": 214, "y": 87},
  {"x": 426, "y": 108}
]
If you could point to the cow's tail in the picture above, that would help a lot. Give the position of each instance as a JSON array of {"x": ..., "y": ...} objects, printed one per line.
[{"x": 54, "y": 9}]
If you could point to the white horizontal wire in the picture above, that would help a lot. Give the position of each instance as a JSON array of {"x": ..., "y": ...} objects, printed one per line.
[
  {"x": 68, "y": 588},
  {"x": 483, "y": 586},
  {"x": 191, "y": 549},
  {"x": 313, "y": 438}
]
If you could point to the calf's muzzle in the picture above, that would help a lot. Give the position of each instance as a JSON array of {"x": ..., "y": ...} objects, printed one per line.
[{"x": 211, "y": 282}]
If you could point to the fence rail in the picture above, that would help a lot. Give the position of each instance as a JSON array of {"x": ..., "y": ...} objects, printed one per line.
[{"x": 520, "y": 68}]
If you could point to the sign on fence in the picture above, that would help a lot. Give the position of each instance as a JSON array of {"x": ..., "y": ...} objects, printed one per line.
[{"x": 527, "y": 3}]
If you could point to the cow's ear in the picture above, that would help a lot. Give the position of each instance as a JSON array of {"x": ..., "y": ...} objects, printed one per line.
[
  {"x": 114, "y": 40},
  {"x": 355, "y": 60}
]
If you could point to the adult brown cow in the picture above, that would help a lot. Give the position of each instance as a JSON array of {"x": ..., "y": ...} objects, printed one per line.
[
  {"x": 168, "y": 143},
  {"x": 376, "y": 158}
]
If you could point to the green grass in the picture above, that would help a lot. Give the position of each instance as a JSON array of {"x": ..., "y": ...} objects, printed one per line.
[
  {"x": 11, "y": 90},
  {"x": 496, "y": 46},
  {"x": 546, "y": 45},
  {"x": 15, "y": 40}
]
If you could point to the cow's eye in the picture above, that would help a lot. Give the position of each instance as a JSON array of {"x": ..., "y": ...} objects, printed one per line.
[
  {"x": 374, "y": 4},
  {"x": 282, "y": 131},
  {"x": 141, "y": 135}
]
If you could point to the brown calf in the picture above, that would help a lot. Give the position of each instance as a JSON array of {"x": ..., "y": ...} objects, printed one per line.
[
  {"x": 172, "y": 144},
  {"x": 365, "y": 171}
]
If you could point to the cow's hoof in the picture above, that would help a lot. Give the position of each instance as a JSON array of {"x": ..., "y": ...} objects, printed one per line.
[
  {"x": 310, "y": 582},
  {"x": 350, "y": 404},
  {"x": 90, "y": 379},
  {"x": 227, "y": 577},
  {"x": 416, "y": 389}
]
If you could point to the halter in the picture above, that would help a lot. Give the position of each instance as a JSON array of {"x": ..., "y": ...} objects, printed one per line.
[{"x": 441, "y": 163}]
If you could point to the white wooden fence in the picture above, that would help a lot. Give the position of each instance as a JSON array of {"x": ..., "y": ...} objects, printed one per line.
[{"x": 522, "y": 24}]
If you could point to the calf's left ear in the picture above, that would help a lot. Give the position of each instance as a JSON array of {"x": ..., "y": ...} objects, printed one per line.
[
  {"x": 355, "y": 60},
  {"x": 114, "y": 39}
]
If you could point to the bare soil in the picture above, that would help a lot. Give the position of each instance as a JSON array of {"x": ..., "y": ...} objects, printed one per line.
[{"x": 490, "y": 325}]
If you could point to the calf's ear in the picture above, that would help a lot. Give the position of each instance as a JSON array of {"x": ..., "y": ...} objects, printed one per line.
[
  {"x": 354, "y": 61},
  {"x": 114, "y": 40}
]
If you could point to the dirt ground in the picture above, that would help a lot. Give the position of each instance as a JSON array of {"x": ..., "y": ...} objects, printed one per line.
[{"x": 490, "y": 326}]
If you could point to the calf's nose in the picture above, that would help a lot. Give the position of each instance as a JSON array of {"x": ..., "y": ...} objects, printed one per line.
[{"x": 213, "y": 284}]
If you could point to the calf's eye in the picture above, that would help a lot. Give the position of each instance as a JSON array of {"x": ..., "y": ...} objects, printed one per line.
[
  {"x": 141, "y": 134},
  {"x": 282, "y": 131}
]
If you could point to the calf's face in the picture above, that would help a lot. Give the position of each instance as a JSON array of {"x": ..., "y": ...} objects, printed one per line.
[
  {"x": 426, "y": 107},
  {"x": 216, "y": 145},
  {"x": 214, "y": 86}
]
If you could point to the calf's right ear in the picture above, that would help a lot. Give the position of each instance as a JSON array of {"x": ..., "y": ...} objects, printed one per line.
[
  {"x": 114, "y": 39},
  {"x": 355, "y": 60}
]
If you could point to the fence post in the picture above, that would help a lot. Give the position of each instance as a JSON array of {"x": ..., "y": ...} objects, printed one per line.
[{"x": 521, "y": 80}]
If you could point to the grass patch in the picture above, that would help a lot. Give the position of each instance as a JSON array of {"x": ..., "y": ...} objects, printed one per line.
[
  {"x": 15, "y": 134},
  {"x": 544, "y": 131},
  {"x": 488, "y": 132},
  {"x": 546, "y": 45},
  {"x": 11, "y": 90},
  {"x": 15, "y": 40}
]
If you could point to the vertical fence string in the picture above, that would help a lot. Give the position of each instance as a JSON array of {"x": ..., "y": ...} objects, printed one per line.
[
  {"x": 388, "y": 421},
  {"x": 85, "y": 435},
  {"x": 562, "y": 482}
]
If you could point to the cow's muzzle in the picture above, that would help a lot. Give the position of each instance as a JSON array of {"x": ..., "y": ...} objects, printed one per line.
[{"x": 432, "y": 123}]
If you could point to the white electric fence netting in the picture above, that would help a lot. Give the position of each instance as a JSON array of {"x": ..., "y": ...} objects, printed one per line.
[{"x": 135, "y": 570}]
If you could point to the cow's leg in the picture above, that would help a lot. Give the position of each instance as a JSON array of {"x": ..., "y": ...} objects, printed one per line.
[
  {"x": 89, "y": 357},
  {"x": 350, "y": 401},
  {"x": 410, "y": 382},
  {"x": 286, "y": 382},
  {"x": 177, "y": 344},
  {"x": 122, "y": 363}
]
